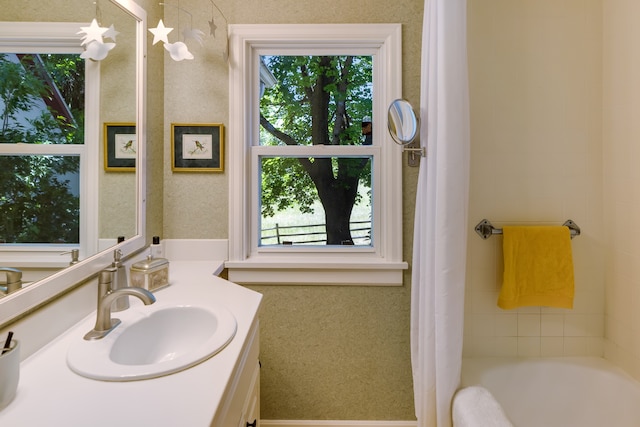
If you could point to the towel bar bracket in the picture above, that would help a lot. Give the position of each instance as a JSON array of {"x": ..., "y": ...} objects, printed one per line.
[
  {"x": 485, "y": 229},
  {"x": 573, "y": 228}
]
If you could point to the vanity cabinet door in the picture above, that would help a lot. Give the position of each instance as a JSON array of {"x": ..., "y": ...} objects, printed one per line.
[
  {"x": 241, "y": 405},
  {"x": 251, "y": 408}
]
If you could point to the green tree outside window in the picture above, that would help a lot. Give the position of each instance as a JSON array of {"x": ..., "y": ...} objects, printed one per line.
[
  {"x": 317, "y": 100},
  {"x": 37, "y": 203}
]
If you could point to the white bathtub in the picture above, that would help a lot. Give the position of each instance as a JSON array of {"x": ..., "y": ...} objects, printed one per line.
[{"x": 558, "y": 392}]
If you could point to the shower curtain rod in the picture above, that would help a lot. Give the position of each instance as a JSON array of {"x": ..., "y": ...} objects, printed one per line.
[{"x": 485, "y": 229}]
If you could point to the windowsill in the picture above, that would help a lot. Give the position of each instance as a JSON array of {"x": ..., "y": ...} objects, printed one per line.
[{"x": 326, "y": 272}]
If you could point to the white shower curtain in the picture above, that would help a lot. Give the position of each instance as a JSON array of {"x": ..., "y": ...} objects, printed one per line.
[{"x": 440, "y": 236}]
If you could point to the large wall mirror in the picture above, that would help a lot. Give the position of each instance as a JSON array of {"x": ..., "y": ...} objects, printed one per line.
[{"x": 74, "y": 146}]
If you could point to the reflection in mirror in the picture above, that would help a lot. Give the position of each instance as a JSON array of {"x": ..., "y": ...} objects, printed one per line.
[
  {"x": 44, "y": 129},
  {"x": 402, "y": 122},
  {"x": 72, "y": 205},
  {"x": 117, "y": 207}
]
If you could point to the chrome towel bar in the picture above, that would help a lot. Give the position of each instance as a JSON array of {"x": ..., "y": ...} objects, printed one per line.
[{"x": 485, "y": 229}]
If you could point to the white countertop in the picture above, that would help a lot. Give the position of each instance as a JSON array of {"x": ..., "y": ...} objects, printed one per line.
[{"x": 50, "y": 394}]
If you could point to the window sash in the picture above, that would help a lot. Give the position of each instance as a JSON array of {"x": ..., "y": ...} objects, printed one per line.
[
  {"x": 48, "y": 254},
  {"x": 361, "y": 214},
  {"x": 257, "y": 152}
]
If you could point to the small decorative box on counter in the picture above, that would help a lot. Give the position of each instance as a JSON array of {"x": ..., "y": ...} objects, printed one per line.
[{"x": 151, "y": 274}]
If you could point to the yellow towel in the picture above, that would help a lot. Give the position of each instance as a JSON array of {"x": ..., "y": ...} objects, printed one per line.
[{"x": 538, "y": 267}]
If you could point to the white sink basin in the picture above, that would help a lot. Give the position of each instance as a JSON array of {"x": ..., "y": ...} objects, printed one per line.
[{"x": 153, "y": 341}]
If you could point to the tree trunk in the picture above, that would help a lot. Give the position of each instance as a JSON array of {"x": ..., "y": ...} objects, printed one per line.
[
  {"x": 338, "y": 196},
  {"x": 337, "y": 214}
]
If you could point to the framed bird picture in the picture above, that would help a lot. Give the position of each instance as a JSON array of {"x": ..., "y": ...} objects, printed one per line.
[
  {"x": 120, "y": 147},
  {"x": 197, "y": 147}
]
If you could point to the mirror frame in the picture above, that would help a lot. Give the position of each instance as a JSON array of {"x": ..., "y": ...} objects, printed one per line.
[{"x": 15, "y": 305}]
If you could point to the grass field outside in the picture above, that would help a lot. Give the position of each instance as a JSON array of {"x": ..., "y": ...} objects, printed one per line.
[{"x": 300, "y": 228}]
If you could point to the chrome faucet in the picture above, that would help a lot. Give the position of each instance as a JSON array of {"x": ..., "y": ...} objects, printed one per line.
[
  {"x": 14, "y": 279},
  {"x": 106, "y": 296}
]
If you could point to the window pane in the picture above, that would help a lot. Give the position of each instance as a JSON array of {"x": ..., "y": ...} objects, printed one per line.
[
  {"x": 316, "y": 100},
  {"x": 41, "y": 98},
  {"x": 39, "y": 200},
  {"x": 315, "y": 201}
]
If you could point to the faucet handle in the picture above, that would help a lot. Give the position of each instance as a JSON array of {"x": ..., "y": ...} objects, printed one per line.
[
  {"x": 14, "y": 278},
  {"x": 106, "y": 275},
  {"x": 13, "y": 274},
  {"x": 75, "y": 256},
  {"x": 105, "y": 279}
]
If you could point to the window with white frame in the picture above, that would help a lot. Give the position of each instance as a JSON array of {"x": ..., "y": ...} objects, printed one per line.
[
  {"x": 49, "y": 107},
  {"x": 315, "y": 181}
]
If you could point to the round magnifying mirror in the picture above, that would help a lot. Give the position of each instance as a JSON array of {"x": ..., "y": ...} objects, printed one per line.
[{"x": 402, "y": 122}]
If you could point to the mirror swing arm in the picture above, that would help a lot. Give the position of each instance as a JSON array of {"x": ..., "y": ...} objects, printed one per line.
[{"x": 413, "y": 148}]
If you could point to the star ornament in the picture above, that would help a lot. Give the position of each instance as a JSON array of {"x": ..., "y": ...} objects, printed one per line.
[
  {"x": 160, "y": 33},
  {"x": 111, "y": 33},
  {"x": 212, "y": 27},
  {"x": 93, "y": 32}
]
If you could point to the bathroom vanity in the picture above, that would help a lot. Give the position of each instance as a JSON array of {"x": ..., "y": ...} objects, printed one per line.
[{"x": 222, "y": 391}]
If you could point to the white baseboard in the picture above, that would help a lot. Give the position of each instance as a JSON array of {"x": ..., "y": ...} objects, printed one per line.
[{"x": 291, "y": 423}]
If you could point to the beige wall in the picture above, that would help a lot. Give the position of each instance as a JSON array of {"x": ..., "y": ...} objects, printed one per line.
[
  {"x": 328, "y": 352},
  {"x": 621, "y": 178},
  {"x": 117, "y": 195},
  {"x": 536, "y": 147},
  {"x": 33, "y": 10}
]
